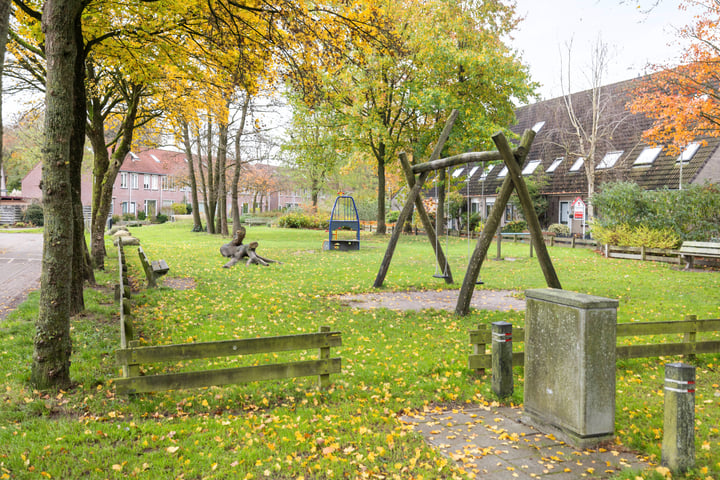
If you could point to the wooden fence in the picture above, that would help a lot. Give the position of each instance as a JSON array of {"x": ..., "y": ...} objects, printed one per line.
[
  {"x": 131, "y": 358},
  {"x": 642, "y": 253},
  {"x": 481, "y": 339}
]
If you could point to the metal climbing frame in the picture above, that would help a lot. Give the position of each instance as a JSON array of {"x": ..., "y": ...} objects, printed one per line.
[{"x": 343, "y": 216}]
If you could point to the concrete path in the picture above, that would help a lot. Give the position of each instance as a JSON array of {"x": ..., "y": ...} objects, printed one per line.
[
  {"x": 492, "y": 443},
  {"x": 20, "y": 267}
]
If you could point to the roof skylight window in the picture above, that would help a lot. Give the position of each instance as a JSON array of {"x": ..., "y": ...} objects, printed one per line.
[
  {"x": 648, "y": 155},
  {"x": 472, "y": 171},
  {"x": 536, "y": 128},
  {"x": 689, "y": 152},
  {"x": 458, "y": 172},
  {"x": 609, "y": 159},
  {"x": 530, "y": 167},
  {"x": 487, "y": 172},
  {"x": 556, "y": 163},
  {"x": 578, "y": 163},
  {"x": 503, "y": 172}
]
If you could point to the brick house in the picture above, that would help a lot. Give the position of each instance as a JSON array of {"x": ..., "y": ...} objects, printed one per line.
[
  {"x": 623, "y": 155},
  {"x": 152, "y": 180}
]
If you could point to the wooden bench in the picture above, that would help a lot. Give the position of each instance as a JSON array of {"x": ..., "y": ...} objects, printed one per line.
[
  {"x": 690, "y": 250},
  {"x": 154, "y": 269},
  {"x": 258, "y": 221}
]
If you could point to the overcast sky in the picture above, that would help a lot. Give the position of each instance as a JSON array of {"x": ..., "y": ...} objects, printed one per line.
[{"x": 634, "y": 37}]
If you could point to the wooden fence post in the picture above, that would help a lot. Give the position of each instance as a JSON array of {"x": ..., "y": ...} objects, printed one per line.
[
  {"x": 499, "y": 244},
  {"x": 324, "y": 379},
  {"x": 691, "y": 337},
  {"x": 133, "y": 369},
  {"x": 479, "y": 349}
]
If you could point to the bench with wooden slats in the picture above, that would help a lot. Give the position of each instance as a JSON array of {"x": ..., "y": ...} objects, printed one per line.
[{"x": 690, "y": 250}]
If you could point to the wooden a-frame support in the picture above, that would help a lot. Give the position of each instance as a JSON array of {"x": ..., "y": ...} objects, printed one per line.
[{"x": 514, "y": 161}]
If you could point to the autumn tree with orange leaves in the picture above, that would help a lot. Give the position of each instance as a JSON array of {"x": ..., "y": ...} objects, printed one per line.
[{"x": 684, "y": 100}]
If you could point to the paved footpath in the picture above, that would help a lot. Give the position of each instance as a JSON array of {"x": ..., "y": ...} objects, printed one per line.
[
  {"x": 492, "y": 443},
  {"x": 20, "y": 267}
]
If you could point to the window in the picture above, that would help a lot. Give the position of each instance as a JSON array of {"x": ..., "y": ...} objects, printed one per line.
[
  {"x": 648, "y": 155},
  {"x": 609, "y": 159},
  {"x": 146, "y": 182},
  {"x": 128, "y": 207},
  {"x": 536, "y": 128},
  {"x": 134, "y": 181},
  {"x": 487, "y": 172},
  {"x": 509, "y": 213},
  {"x": 123, "y": 180},
  {"x": 503, "y": 173},
  {"x": 458, "y": 172},
  {"x": 530, "y": 167},
  {"x": 489, "y": 204},
  {"x": 154, "y": 182},
  {"x": 472, "y": 171},
  {"x": 556, "y": 163},
  {"x": 689, "y": 152},
  {"x": 578, "y": 163}
]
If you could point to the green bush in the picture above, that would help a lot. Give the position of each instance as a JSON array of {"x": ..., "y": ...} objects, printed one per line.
[
  {"x": 639, "y": 236},
  {"x": 115, "y": 218},
  {"x": 188, "y": 208},
  {"x": 302, "y": 220},
  {"x": 141, "y": 215},
  {"x": 392, "y": 216},
  {"x": 692, "y": 213},
  {"x": 34, "y": 215},
  {"x": 128, "y": 217},
  {"x": 161, "y": 218},
  {"x": 559, "y": 229},
  {"x": 516, "y": 226},
  {"x": 179, "y": 209}
]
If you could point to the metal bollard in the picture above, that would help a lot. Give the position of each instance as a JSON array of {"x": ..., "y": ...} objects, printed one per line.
[
  {"x": 502, "y": 363},
  {"x": 678, "y": 445}
]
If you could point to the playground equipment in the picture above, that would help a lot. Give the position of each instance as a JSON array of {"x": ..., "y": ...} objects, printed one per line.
[
  {"x": 513, "y": 159},
  {"x": 343, "y": 217}
]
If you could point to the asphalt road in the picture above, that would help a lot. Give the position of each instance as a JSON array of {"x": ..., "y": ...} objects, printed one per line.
[{"x": 20, "y": 267}]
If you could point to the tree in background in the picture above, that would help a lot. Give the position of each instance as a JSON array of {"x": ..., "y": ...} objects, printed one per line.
[
  {"x": 395, "y": 92},
  {"x": 4, "y": 23},
  {"x": 684, "y": 100}
]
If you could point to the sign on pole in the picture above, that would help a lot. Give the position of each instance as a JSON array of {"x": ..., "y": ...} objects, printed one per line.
[{"x": 579, "y": 212}]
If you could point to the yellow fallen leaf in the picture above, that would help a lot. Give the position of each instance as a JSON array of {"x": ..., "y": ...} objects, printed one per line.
[
  {"x": 172, "y": 449},
  {"x": 117, "y": 467}
]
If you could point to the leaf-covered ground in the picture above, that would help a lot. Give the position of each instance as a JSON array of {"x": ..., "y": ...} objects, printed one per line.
[{"x": 393, "y": 362}]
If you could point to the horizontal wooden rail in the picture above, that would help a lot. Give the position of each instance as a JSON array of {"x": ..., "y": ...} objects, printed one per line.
[
  {"x": 228, "y": 376},
  {"x": 227, "y": 348},
  {"x": 482, "y": 338}
]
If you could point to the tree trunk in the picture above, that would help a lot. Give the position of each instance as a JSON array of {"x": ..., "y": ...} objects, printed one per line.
[
  {"x": 77, "y": 146},
  {"x": 4, "y": 23},
  {"x": 381, "y": 228},
  {"x": 209, "y": 185},
  {"x": 52, "y": 344},
  {"x": 238, "y": 164},
  {"x": 440, "y": 224},
  {"x": 197, "y": 223},
  {"x": 222, "y": 227}
]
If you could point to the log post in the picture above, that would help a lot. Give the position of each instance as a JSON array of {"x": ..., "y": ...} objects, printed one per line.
[
  {"x": 515, "y": 173},
  {"x": 491, "y": 226},
  {"x": 404, "y": 214},
  {"x": 425, "y": 219},
  {"x": 324, "y": 354}
]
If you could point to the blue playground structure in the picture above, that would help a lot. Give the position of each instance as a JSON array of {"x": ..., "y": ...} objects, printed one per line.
[{"x": 344, "y": 216}]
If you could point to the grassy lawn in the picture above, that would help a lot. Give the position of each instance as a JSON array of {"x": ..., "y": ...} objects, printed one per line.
[{"x": 392, "y": 362}]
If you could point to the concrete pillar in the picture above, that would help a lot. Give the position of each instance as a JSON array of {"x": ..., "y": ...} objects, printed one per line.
[
  {"x": 678, "y": 445},
  {"x": 570, "y": 364},
  {"x": 502, "y": 364}
]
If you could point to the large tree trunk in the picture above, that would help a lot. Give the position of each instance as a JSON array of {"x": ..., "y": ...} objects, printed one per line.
[
  {"x": 52, "y": 344},
  {"x": 197, "y": 223},
  {"x": 381, "y": 228}
]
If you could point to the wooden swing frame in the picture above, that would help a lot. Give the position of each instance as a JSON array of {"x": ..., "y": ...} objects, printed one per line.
[{"x": 514, "y": 160}]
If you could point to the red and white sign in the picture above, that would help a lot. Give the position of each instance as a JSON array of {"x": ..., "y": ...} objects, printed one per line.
[{"x": 578, "y": 208}]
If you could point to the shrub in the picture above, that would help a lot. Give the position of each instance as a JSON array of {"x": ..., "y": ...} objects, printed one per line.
[
  {"x": 392, "y": 216},
  {"x": 128, "y": 216},
  {"x": 302, "y": 220},
  {"x": 179, "y": 208},
  {"x": 141, "y": 215},
  {"x": 161, "y": 218},
  {"x": 115, "y": 218},
  {"x": 34, "y": 215},
  {"x": 559, "y": 229},
  {"x": 640, "y": 236},
  {"x": 516, "y": 226}
]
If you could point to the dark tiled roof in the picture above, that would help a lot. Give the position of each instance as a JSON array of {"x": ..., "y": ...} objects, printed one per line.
[{"x": 622, "y": 132}]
